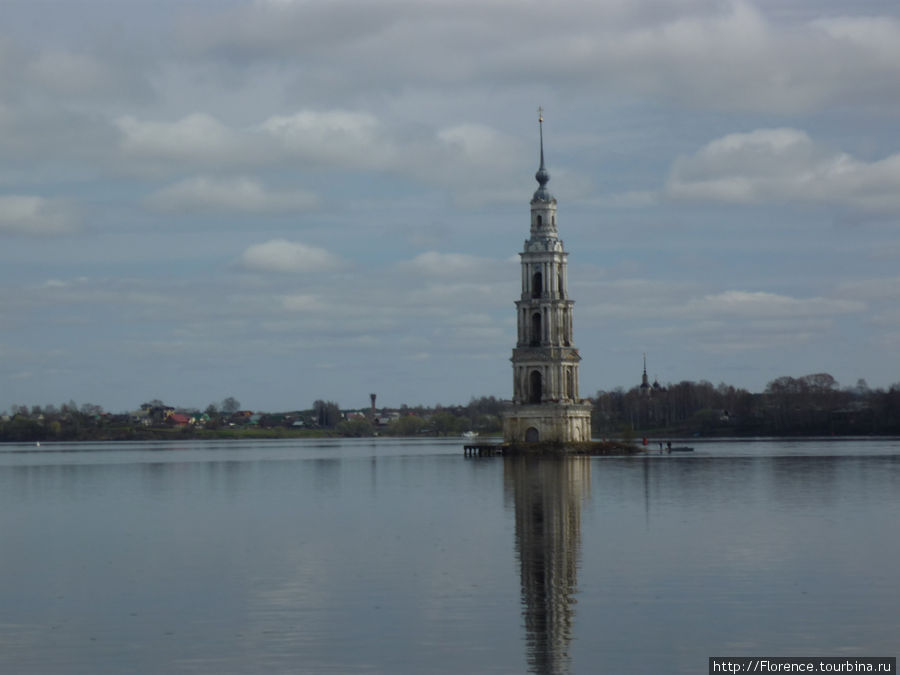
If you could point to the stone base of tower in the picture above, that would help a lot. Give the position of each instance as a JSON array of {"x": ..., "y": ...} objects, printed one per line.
[{"x": 548, "y": 423}]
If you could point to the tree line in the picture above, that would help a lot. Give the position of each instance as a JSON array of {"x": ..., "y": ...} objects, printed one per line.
[
  {"x": 156, "y": 420},
  {"x": 809, "y": 405}
]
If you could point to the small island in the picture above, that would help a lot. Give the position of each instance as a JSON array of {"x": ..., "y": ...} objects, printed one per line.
[{"x": 614, "y": 448}]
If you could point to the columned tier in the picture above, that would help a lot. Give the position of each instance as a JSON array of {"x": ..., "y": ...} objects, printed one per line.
[
  {"x": 543, "y": 380},
  {"x": 548, "y": 423},
  {"x": 544, "y": 275},
  {"x": 544, "y": 323}
]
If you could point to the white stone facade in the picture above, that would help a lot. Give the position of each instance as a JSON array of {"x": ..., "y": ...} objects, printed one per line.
[{"x": 546, "y": 403}]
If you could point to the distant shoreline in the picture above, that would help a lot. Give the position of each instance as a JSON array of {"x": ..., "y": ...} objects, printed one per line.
[{"x": 187, "y": 434}]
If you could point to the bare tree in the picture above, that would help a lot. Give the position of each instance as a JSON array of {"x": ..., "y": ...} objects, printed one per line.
[
  {"x": 327, "y": 413},
  {"x": 230, "y": 405}
]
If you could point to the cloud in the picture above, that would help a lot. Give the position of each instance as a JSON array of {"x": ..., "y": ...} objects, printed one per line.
[
  {"x": 629, "y": 298},
  {"x": 479, "y": 163},
  {"x": 784, "y": 165},
  {"x": 42, "y": 72},
  {"x": 301, "y": 302},
  {"x": 71, "y": 73},
  {"x": 871, "y": 289},
  {"x": 434, "y": 263},
  {"x": 767, "y": 305},
  {"x": 482, "y": 164},
  {"x": 32, "y": 215},
  {"x": 726, "y": 322},
  {"x": 729, "y": 55},
  {"x": 647, "y": 299},
  {"x": 288, "y": 257},
  {"x": 242, "y": 194},
  {"x": 630, "y": 199},
  {"x": 453, "y": 285},
  {"x": 335, "y": 137},
  {"x": 198, "y": 137},
  {"x": 68, "y": 72},
  {"x": 480, "y": 145},
  {"x": 875, "y": 37},
  {"x": 37, "y": 141},
  {"x": 265, "y": 28}
]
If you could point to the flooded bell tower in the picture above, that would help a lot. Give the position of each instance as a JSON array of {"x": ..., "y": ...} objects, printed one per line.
[{"x": 546, "y": 407}]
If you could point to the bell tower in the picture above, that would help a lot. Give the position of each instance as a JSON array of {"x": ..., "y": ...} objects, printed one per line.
[{"x": 546, "y": 403}]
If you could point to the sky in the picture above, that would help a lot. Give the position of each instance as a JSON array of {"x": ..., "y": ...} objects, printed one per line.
[{"x": 291, "y": 200}]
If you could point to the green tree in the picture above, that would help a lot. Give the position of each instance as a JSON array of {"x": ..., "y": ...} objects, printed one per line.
[
  {"x": 407, "y": 425},
  {"x": 356, "y": 427},
  {"x": 448, "y": 424}
]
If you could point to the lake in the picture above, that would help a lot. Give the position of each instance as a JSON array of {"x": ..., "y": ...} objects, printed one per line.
[{"x": 402, "y": 556}]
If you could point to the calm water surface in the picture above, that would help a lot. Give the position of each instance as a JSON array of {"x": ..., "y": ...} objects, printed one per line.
[{"x": 392, "y": 556}]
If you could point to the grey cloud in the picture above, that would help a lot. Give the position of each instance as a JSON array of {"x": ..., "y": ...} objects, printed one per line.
[
  {"x": 34, "y": 215},
  {"x": 784, "y": 165},
  {"x": 764, "y": 305},
  {"x": 887, "y": 288},
  {"x": 41, "y": 141},
  {"x": 241, "y": 194},
  {"x": 646, "y": 299},
  {"x": 90, "y": 74},
  {"x": 478, "y": 162},
  {"x": 724, "y": 322},
  {"x": 198, "y": 138},
  {"x": 282, "y": 256},
  {"x": 723, "y": 55}
]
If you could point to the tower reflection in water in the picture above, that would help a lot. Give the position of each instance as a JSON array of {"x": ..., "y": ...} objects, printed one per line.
[{"x": 547, "y": 493}]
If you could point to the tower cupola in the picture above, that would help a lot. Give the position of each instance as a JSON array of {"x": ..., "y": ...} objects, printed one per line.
[
  {"x": 542, "y": 194},
  {"x": 543, "y": 204}
]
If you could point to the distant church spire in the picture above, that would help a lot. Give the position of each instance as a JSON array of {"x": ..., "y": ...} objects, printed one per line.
[
  {"x": 542, "y": 176},
  {"x": 645, "y": 381}
]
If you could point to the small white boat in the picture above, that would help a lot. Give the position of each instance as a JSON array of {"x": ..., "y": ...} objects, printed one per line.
[{"x": 469, "y": 435}]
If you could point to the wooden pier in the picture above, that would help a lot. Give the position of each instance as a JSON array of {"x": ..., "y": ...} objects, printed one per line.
[
  {"x": 552, "y": 449},
  {"x": 482, "y": 449}
]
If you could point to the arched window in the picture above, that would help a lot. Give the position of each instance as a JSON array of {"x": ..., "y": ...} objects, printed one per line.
[
  {"x": 537, "y": 285},
  {"x": 534, "y": 395},
  {"x": 540, "y": 220},
  {"x": 536, "y": 335},
  {"x": 559, "y": 284},
  {"x": 570, "y": 384},
  {"x": 532, "y": 435}
]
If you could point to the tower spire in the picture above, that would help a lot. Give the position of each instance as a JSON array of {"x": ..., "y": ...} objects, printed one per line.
[
  {"x": 542, "y": 176},
  {"x": 541, "y": 126}
]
